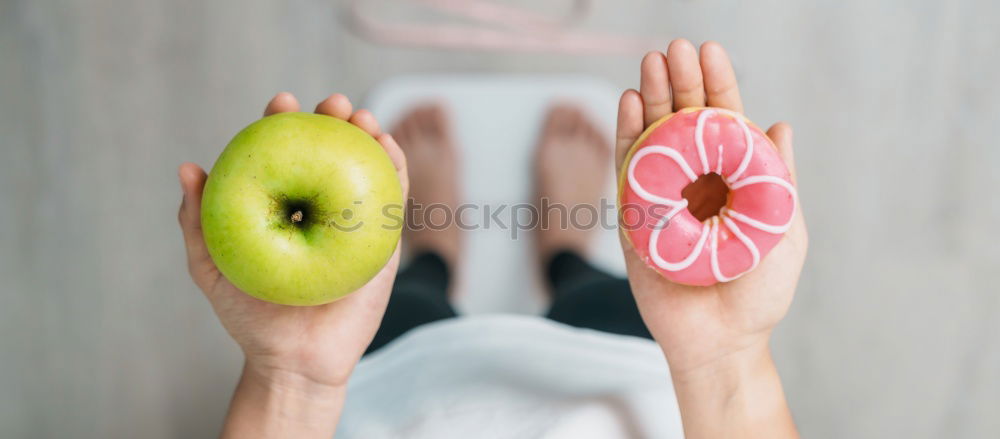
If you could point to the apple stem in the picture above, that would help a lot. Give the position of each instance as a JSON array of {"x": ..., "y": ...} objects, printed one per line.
[{"x": 297, "y": 216}]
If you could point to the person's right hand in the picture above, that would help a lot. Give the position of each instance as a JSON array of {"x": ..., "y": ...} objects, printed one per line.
[
  {"x": 717, "y": 336},
  {"x": 298, "y": 358}
]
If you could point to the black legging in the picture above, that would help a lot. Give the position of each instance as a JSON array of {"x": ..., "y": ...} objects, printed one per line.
[{"x": 583, "y": 296}]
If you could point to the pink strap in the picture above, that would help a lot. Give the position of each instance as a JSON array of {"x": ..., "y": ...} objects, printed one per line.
[{"x": 514, "y": 29}]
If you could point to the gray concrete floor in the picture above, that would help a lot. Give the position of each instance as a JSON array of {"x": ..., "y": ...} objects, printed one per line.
[{"x": 896, "y": 107}]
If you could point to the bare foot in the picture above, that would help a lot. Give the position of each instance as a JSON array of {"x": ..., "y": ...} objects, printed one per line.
[
  {"x": 571, "y": 167},
  {"x": 424, "y": 134}
]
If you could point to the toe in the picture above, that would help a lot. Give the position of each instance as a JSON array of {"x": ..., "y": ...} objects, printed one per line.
[
  {"x": 576, "y": 125},
  {"x": 560, "y": 119},
  {"x": 437, "y": 120}
]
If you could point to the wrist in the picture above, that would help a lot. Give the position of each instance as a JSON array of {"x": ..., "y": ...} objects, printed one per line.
[
  {"x": 306, "y": 369},
  {"x": 272, "y": 402},
  {"x": 731, "y": 362},
  {"x": 695, "y": 356},
  {"x": 736, "y": 394},
  {"x": 289, "y": 381}
]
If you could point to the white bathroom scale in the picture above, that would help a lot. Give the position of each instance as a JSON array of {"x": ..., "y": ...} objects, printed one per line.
[{"x": 497, "y": 121}]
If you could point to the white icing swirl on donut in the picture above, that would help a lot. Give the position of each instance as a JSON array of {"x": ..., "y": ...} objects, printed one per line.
[
  {"x": 748, "y": 152},
  {"x": 710, "y": 227},
  {"x": 699, "y": 138},
  {"x": 757, "y": 179}
]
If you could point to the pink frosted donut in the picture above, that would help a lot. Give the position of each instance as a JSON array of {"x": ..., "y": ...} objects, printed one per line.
[{"x": 673, "y": 153}]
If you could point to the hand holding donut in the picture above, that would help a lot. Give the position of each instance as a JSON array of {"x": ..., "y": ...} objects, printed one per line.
[{"x": 714, "y": 336}]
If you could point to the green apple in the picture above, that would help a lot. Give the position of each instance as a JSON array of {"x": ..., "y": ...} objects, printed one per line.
[{"x": 302, "y": 209}]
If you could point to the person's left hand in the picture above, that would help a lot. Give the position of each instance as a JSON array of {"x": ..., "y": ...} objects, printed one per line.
[{"x": 315, "y": 344}]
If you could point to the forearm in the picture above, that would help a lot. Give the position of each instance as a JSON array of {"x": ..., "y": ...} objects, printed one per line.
[
  {"x": 276, "y": 404},
  {"x": 737, "y": 397}
]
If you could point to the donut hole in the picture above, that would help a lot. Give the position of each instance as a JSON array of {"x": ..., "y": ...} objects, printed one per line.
[{"x": 706, "y": 196}]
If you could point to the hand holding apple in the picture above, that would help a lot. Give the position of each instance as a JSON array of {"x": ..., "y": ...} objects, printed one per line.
[{"x": 314, "y": 347}]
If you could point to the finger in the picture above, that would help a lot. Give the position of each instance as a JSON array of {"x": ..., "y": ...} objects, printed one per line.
[
  {"x": 684, "y": 72},
  {"x": 337, "y": 105},
  {"x": 781, "y": 134},
  {"x": 720, "y": 79},
  {"x": 281, "y": 103},
  {"x": 192, "y": 179},
  {"x": 654, "y": 87},
  {"x": 398, "y": 160},
  {"x": 366, "y": 121},
  {"x": 630, "y": 124}
]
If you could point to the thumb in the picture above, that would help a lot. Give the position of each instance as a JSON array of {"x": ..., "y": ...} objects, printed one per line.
[
  {"x": 202, "y": 269},
  {"x": 781, "y": 134}
]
